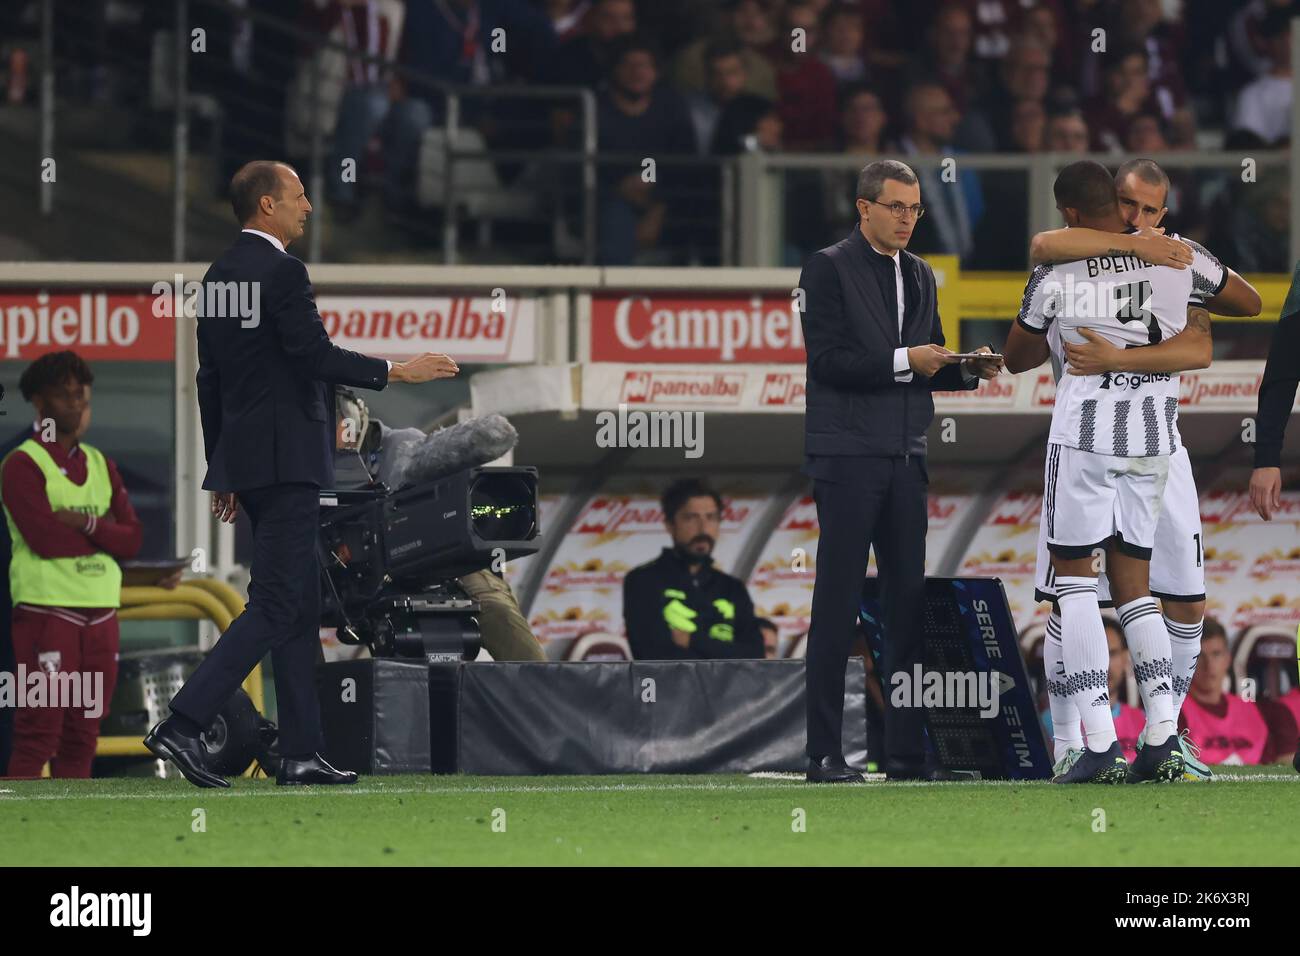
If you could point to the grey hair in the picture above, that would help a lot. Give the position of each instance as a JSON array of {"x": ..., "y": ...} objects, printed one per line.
[{"x": 872, "y": 178}]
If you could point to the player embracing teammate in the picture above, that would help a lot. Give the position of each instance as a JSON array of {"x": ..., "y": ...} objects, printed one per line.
[{"x": 1120, "y": 314}]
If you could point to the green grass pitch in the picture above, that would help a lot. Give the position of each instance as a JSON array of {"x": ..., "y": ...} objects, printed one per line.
[{"x": 1247, "y": 817}]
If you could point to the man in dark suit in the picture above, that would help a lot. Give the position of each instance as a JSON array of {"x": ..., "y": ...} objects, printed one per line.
[
  {"x": 265, "y": 384},
  {"x": 875, "y": 353}
]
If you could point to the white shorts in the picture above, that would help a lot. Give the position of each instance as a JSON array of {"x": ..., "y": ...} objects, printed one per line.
[{"x": 1177, "y": 559}]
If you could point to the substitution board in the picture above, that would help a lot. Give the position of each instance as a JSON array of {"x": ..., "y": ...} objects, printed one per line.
[{"x": 969, "y": 631}]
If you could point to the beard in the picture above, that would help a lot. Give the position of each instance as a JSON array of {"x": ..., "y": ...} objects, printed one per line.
[{"x": 688, "y": 550}]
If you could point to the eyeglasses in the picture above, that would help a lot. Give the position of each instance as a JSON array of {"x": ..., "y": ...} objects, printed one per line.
[{"x": 898, "y": 209}]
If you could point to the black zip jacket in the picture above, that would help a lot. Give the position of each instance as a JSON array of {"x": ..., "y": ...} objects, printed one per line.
[
  {"x": 725, "y": 625},
  {"x": 855, "y": 406},
  {"x": 1277, "y": 389}
]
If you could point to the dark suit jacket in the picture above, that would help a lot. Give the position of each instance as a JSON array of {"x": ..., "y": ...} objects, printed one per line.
[
  {"x": 855, "y": 406},
  {"x": 266, "y": 391}
]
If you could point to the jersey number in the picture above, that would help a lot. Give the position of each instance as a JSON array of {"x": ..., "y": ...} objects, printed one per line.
[{"x": 1130, "y": 303}]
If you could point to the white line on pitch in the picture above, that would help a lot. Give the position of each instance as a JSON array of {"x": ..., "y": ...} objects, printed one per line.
[
  {"x": 189, "y": 794},
  {"x": 398, "y": 791}
]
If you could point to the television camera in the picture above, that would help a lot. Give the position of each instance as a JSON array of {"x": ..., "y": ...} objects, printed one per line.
[{"x": 391, "y": 558}]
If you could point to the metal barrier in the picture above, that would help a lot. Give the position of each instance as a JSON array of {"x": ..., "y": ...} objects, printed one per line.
[{"x": 206, "y": 599}]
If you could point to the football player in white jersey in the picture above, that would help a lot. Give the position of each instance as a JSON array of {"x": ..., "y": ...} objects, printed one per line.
[
  {"x": 1177, "y": 573},
  {"x": 1107, "y": 465}
]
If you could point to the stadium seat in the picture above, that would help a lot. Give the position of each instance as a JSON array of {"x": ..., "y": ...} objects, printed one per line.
[
  {"x": 332, "y": 81},
  {"x": 1265, "y": 653},
  {"x": 478, "y": 190},
  {"x": 600, "y": 646}
]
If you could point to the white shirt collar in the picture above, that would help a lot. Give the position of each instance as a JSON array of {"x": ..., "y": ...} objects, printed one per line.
[{"x": 268, "y": 237}]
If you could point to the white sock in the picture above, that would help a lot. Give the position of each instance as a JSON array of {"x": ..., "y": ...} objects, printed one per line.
[
  {"x": 1153, "y": 665},
  {"x": 1086, "y": 658},
  {"x": 1185, "y": 642},
  {"x": 1067, "y": 734}
]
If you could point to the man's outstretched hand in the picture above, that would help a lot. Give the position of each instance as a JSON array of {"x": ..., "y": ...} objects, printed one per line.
[{"x": 424, "y": 368}]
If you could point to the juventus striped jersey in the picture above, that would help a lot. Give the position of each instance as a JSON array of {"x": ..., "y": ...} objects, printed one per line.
[{"x": 1131, "y": 304}]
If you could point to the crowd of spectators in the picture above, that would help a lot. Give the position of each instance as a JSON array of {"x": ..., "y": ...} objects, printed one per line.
[
  {"x": 932, "y": 78},
  {"x": 683, "y": 79}
]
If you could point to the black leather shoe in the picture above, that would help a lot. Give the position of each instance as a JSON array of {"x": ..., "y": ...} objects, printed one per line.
[
  {"x": 313, "y": 770},
  {"x": 165, "y": 743},
  {"x": 832, "y": 770}
]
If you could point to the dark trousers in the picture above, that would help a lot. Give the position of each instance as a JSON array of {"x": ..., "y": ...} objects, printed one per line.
[
  {"x": 282, "y": 616},
  {"x": 65, "y": 737},
  {"x": 881, "y": 503}
]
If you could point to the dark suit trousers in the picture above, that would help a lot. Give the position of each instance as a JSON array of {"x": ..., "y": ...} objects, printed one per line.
[
  {"x": 880, "y": 503},
  {"x": 282, "y": 617}
]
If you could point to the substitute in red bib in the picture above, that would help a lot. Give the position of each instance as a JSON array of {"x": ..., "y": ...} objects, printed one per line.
[{"x": 71, "y": 521}]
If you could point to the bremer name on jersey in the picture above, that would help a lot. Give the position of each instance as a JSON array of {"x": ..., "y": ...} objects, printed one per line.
[{"x": 1131, "y": 304}]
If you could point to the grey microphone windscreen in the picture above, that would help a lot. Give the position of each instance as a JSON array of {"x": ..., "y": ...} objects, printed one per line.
[{"x": 466, "y": 444}]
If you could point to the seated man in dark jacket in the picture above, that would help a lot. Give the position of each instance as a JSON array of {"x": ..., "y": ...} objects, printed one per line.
[{"x": 680, "y": 607}]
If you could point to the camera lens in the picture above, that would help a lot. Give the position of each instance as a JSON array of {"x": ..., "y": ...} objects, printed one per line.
[{"x": 502, "y": 508}]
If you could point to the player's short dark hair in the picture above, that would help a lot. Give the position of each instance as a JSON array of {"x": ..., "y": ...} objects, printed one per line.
[
  {"x": 54, "y": 368},
  {"x": 1147, "y": 170},
  {"x": 1211, "y": 627},
  {"x": 766, "y": 624},
  {"x": 251, "y": 182},
  {"x": 872, "y": 178},
  {"x": 683, "y": 490},
  {"x": 1085, "y": 185},
  {"x": 1110, "y": 624}
]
